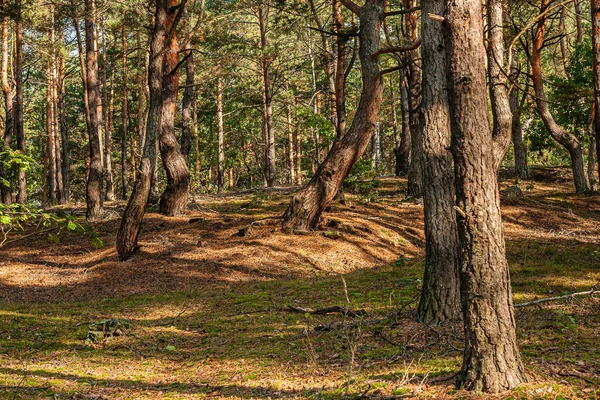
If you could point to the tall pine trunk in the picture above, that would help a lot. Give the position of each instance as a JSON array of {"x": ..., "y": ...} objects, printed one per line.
[
  {"x": 124, "y": 116},
  {"x": 129, "y": 230},
  {"x": 173, "y": 200},
  {"x": 440, "y": 296},
  {"x": 402, "y": 150},
  {"x": 491, "y": 360},
  {"x": 5, "y": 187},
  {"x": 595, "y": 11},
  {"x": 94, "y": 180},
  {"x": 18, "y": 109},
  {"x": 220, "y": 134}
]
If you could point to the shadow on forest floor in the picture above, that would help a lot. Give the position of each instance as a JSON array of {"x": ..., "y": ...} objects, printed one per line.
[{"x": 207, "y": 313}]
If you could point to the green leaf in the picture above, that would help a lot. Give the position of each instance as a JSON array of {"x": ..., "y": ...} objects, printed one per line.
[
  {"x": 72, "y": 226},
  {"x": 98, "y": 243},
  {"x": 5, "y": 219},
  {"x": 54, "y": 237}
]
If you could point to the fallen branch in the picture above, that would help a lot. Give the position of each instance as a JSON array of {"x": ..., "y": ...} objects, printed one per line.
[
  {"x": 28, "y": 235},
  {"x": 577, "y": 374},
  {"x": 327, "y": 310},
  {"x": 548, "y": 299}
]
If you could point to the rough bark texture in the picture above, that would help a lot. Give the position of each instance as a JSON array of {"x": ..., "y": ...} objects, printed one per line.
[
  {"x": 521, "y": 169},
  {"x": 491, "y": 360},
  {"x": 402, "y": 151},
  {"x": 340, "y": 72},
  {"x": 94, "y": 180},
  {"x": 269, "y": 167},
  {"x": 18, "y": 109},
  {"x": 173, "y": 200},
  {"x": 131, "y": 222},
  {"x": 124, "y": 117},
  {"x": 50, "y": 142},
  {"x": 5, "y": 190},
  {"x": 565, "y": 138},
  {"x": 108, "y": 95},
  {"x": 220, "y": 134},
  {"x": 440, "y": 296},
  {"x": 64, "y": 133},
  {"x": 187, "y": 107},
  {"x": 595, "y": 11},
  {"x": 413, "y": 75},
  {"x": 291, "y": 168},
  {"x": 501, "y": 113},
  {"x": 307, "y": 206}
]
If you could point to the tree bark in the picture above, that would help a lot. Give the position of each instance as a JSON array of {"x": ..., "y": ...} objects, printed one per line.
[
  {"x": 595, "y": 13},
  {"x": 18, "y": 109},
  {"x": 124, "y": 117},
  {"x": 402, "y": 151},
  {"x": 129, "y": 229},
  {"x": 94, "y": 180},
  {"x": 5, "y": 189},
  {"x": 491, "y": 360},
  {"x": 440, "y": 296},
  {"x": 108, "y": 94},
  {"x": 501, "y": 113},
  {"x": 413, "y": 75},
  {"x": 340, "y": 72},
  {"x": 291, "y": 167},
  {"x": 173, "y": 200},
  {"x": 268, "y": 129},
  {"x": 562, "y": 136},
  {"x": 50, "y": 136},
  {"x": 220, "y": 134},
  {"x": 64, "y": 133},
  {"x": 307, "y": 206}
]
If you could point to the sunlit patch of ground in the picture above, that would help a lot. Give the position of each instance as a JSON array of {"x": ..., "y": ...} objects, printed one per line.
[{"x": 206, "y": 305}]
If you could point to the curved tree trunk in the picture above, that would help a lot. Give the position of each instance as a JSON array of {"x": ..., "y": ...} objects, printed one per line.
[
  {"x": 131, "y": 222},
  {"x": 491, "y": 360},
  {"x": 440, "y": 296},
  {"x": 173, "y": 200},
  {"x": 565, "y": 138},
  {"x": 307, "y": 206}
]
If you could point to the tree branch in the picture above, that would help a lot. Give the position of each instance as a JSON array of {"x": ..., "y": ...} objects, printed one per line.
[
  {"x": 350, "y": 5},
  {"x": 402, "y": 12},
  {"x": 397, "y": 49},
  {"x": 548, "y": 299}
]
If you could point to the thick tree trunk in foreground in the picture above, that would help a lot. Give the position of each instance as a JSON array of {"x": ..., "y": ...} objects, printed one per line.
[
  {"x": 131, "y": 222},
  {"x": 307, "y": 206},
  {"x": 5, "y": 190},
  {"x": 562, "y": 136},
  {"x": 491, "y": 360},
  {"x": 18, "y": 109},
  {"x": 595, "y": 11},
  {"x": 94, "y": 180},
  {"x": 440, "y": 296},
  {"x": 173, "y": 200}
]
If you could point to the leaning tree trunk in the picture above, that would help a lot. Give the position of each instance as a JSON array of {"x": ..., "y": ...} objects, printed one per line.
[
  {"x": 94, "y": 181},
  {"x": 562, "y": 136},
  {"x": 440, "y": 296},
  {"x": 5, "y": 189},
  {"x": 491, "y": 360},
  {"x": 307, "y": 206},
  {"x": 18, "y": 109},
  {"x": 131, "y": 222},
  {"x": 173, "y": 200},
  {"x": 595, "y": 10}
]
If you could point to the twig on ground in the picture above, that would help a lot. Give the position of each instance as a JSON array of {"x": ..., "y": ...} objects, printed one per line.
[
  {"x": 577, "y": 374},
  {"x": 327, "y": 310},
  {"x": 172, "y": 321},
  {"x": 549, "y": 299}
]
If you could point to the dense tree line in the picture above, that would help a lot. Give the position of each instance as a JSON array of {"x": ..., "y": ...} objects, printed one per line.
[{"x": 153, "y": 101}]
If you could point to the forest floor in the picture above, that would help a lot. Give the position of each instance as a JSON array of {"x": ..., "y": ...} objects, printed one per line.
[{"x": 210, "y": 311}]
